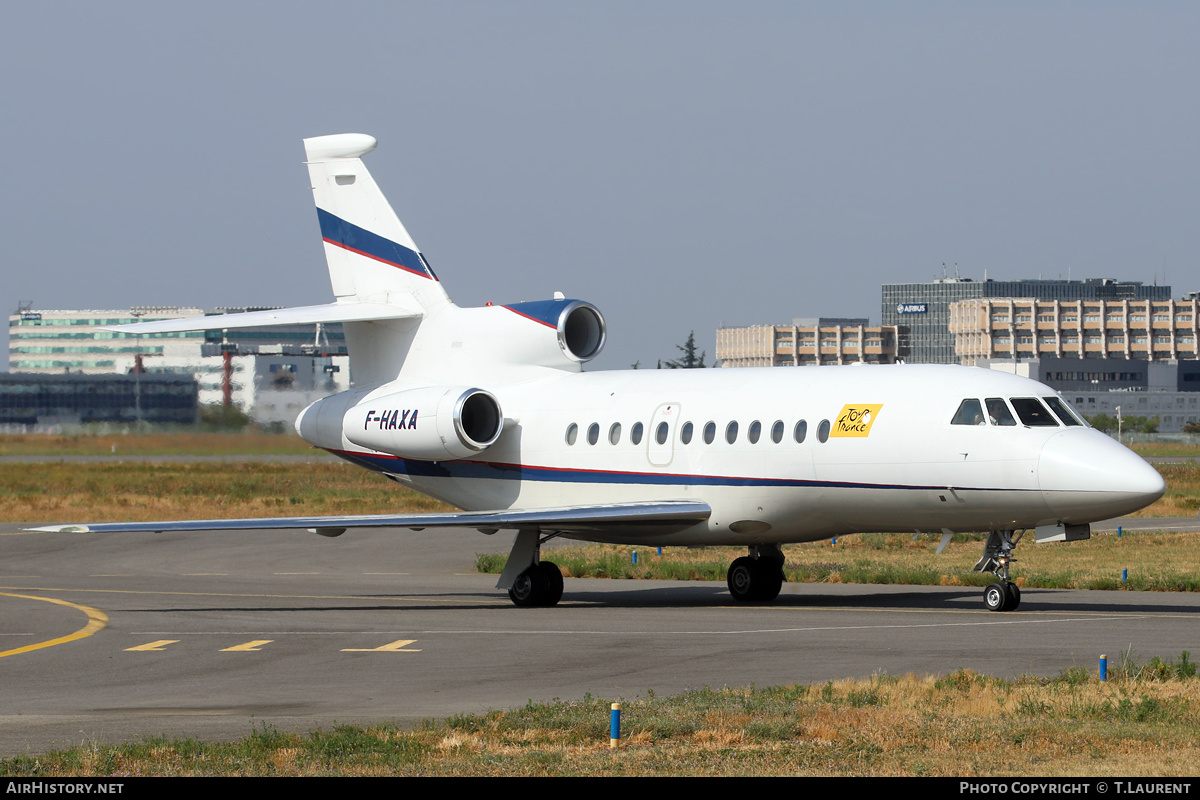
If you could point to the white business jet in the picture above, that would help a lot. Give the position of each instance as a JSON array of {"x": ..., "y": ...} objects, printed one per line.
[{"x": 489, "y": 409}]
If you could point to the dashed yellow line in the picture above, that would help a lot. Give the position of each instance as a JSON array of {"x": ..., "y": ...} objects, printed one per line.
[
  {"x": 247, "y": 646},
  {"x": 398, "y": 646},
  {"x": 161, "y": 644},
  {"x": 97, "y": 620}
]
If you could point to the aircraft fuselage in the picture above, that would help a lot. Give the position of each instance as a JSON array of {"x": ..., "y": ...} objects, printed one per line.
[{"x": 781, "y": 455}]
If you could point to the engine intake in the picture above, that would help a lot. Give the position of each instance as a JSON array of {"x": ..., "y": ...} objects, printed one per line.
[{"x": 581, "y": 331}]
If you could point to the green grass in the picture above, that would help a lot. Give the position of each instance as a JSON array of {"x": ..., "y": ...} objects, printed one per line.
[
  {"x": 154, "y": 444},
  {"x": 135, "y": 491},
  {"x": 1155, "y": 561},
  {"x": 1141, "y": 722}
]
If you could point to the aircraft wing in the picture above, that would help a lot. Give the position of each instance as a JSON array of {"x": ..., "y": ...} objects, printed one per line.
[
  {"x": 302, "y": 315},
  {"x": 641, "y": 518}
]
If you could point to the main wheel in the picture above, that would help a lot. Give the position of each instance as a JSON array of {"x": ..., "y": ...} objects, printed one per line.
[
  {"x": 552, "y": 575},
  {"x": 529, "y": 589},
  {"x": 768, "y": 580},
  {"x": 741, "y": 579},
  {"x": 1014, "y": 596},
  {"x": 996, "y": 598}
]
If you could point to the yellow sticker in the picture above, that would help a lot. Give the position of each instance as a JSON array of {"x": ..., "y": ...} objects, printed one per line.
[{"x": 856, "y": 419}]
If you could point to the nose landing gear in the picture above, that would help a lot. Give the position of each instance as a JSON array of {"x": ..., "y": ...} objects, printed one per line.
[{"x": 997, "y": 556}]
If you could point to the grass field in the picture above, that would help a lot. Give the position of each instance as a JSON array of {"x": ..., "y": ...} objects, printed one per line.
[
  {"x": 153, "y": 444},
  {"x": 135, "y": 491},
  {"x": 1141, "y": 722}
]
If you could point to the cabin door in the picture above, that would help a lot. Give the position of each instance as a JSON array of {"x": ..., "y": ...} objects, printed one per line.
[{"x": 660, "y": 439}]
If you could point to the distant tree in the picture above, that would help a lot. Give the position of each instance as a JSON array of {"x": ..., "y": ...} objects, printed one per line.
[
  {"x": 218, "y": 417},
  {"x": 1107, "y": 424},
  {"x": 688, "y": 360}
]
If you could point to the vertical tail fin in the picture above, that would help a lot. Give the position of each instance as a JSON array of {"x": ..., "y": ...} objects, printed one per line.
[{"x": 370, "y": 254}]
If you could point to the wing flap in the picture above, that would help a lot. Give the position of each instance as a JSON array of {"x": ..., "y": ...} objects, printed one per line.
[{"x": 648, "y": 517}]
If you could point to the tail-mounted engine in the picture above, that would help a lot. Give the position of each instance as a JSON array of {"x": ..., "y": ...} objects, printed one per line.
[
  {"x": 578, "y": 325},
  {"x": 436, "y": 423}
]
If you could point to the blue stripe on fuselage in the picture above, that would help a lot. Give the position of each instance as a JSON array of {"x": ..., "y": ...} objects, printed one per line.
[
  {"x": 543, "y": 311},
  {"x": 349, "y": 236},
  {"x": 486, "y": 470}
]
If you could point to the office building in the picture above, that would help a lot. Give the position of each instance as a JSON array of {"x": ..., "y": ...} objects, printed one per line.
[{"x": 923, "y": 309}]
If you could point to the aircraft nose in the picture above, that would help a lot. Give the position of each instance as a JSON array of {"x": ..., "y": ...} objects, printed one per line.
[{"x": 1085, "y": 476}]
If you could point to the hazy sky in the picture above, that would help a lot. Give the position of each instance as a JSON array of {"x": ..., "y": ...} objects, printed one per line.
[{"x": 679, "y": 164}]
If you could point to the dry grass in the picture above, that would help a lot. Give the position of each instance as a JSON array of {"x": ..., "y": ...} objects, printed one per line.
[
  {"x": 1143, "y": 722},
  {"x": 1166, "y": 449},
  {"x": 153, "y": 444},
  {"x": 130, "y": 492},
  {"x": 1183, "y": 491},
  {"x": 1155, "y": 561}
]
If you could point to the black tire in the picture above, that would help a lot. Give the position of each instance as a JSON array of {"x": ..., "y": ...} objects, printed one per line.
[
  {"x": 742, "y": 579},
  {"x": 768, "y": 580},
  {"x": 554, "y": 583},
  {"x": 529, "y": 589},
  {"x": 996, "y": 598},
  {"x": 1014, "y": 596}
]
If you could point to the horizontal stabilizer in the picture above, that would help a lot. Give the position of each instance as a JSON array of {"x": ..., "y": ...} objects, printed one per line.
[
  {"x": 649, "y": 517},
  {"x": 301, "y": 315}
]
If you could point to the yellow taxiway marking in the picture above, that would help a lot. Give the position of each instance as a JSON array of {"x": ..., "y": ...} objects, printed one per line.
[
  {"x": 398, "y": 646},
  {"x": 247, "y": 646},
  {"x": 497, "y": 600},
  {"x": 97, "y": 619},
  {"x": 161, "y": 644}
]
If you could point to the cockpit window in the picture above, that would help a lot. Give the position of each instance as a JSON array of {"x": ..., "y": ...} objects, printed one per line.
[
  {"x": 1032, "y": 413},
  {"x": 969, "y": 413},
  {"x": 998, "y": 412},
  {"x": 1062, "y": 411}
]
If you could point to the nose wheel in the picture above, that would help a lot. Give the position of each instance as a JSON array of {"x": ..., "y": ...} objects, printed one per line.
[
  {"x": 1002, "y": 597},
  {"x": 997, "y": 557}
]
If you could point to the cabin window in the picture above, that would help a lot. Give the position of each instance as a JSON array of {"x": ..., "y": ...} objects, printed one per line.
[
  {"x": 614, "y": 433},
  {"x": 1032, "y": 413},
  {"x": 800, "y": 431},
  {"x": 998, "y": 412},
  {"x": 635, "y": 433},
  {"x": 685, "y": 433},
  {"x": 660, "y": 433},
  {"x": 823, "y": 431},
  {"x": 754, "y": 431},
  {"x": 777, "y": 431},
  {"x": 731, "y": 432},
  {"x": 593, "y": 433},
  {"x": 969, "y": 413},
  {"x": 1062, "y": 411},
  {"x": 710, "y": 432},
  {"x": 572, "y": 433}
]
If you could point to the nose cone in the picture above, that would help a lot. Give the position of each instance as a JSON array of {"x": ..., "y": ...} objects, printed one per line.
[{"x": 1085, "y": 476}]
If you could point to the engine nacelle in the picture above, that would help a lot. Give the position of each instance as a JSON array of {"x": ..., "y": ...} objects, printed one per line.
[
  {"x": 581, "y": 331},
  {"x": 578, "y": 331},
  {"x": 437, "y": 423}
]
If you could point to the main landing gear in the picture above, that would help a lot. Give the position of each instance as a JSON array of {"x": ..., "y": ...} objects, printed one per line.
[
  {"x": 757, "y": 577},
  {"x": 997, "y": 556},
  {"x": 530, "y": 581},
  {"x": 539, "y": 585}
]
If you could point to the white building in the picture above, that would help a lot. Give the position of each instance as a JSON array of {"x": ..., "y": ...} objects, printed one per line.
[{"x": 272, "y": 373}]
